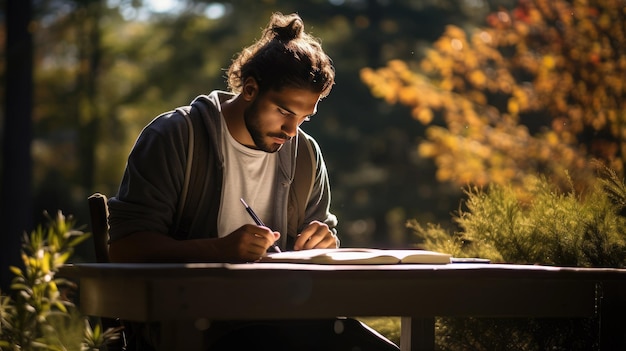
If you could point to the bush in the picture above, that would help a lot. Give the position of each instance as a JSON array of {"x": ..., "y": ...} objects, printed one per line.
[
  {"x": 38, "y": 313},
  {"x": 539, "y": 226}
]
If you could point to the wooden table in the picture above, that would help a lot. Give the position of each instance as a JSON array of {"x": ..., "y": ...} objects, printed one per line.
[{"x": 186, "y": 295}]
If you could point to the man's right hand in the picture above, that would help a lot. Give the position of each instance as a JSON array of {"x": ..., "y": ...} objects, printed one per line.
[{"x": 248, "y": 243}]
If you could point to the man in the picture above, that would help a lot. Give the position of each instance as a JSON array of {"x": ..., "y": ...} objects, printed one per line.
[{"x": 253, "y": 135}]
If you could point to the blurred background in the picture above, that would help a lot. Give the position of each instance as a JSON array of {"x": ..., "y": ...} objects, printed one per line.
[{"x": 430, "y": 96}]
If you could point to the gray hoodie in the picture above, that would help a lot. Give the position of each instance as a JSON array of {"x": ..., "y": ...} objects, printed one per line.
[{"x": 151, "y": 187}]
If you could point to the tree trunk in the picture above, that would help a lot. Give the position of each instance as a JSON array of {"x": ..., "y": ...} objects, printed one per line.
[
  {"x": 89, "y": 118},
  {"x": 16, "y": 208}
]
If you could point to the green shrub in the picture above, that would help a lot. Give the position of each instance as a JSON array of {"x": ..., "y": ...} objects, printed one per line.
[
  {"x": 542, "y": 225},
  {"x": 38, "y": 315}
]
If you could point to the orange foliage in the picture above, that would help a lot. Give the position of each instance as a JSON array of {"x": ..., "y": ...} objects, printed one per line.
[{"x": 541, "y": 90}]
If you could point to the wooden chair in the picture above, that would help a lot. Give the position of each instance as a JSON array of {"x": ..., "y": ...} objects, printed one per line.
[{"x": 99, "y": 214}]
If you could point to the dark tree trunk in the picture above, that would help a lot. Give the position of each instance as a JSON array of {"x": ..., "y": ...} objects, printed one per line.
[
  {"x": 89, "y": 119},
  {"x": 16, "y": 184}
]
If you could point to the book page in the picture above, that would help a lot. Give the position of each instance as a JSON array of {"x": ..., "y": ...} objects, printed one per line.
[{"x": 358, "y": 256}]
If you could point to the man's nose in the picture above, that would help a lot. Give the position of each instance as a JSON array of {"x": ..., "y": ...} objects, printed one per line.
[{"x": 290, "y": 127}]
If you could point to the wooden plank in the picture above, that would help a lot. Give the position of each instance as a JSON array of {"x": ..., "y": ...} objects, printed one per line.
[
  {"x": 115, "y": 298},
  {"x": 294, "y": 297}
]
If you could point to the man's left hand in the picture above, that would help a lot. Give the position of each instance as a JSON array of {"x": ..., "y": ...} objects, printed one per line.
[{"x": 316, "y": 235}]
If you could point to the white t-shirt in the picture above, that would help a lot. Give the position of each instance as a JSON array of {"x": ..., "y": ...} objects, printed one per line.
[{"x": 249, "y": 175}]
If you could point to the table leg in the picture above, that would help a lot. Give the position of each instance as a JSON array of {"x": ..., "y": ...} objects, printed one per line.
[
  {"x": 181, "y": 335},
  {"x": 612, "y": 305},
  {"x": 417, "y": 334}
]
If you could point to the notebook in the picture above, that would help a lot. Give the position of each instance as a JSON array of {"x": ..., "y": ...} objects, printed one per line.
[{"x": 359, "y": 256}]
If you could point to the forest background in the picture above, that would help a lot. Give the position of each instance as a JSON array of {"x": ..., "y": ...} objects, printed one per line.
[{"x": 430, "y": 96}]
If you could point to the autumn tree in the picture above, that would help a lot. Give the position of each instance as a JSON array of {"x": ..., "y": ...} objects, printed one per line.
[{"x": 539, "y": 89}]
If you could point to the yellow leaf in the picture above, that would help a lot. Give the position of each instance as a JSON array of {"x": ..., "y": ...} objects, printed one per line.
[
  {"x": 552, "y": 138},
  {"x": 477, "y": 78},
  {"x": 513, "y": 106},
  {"x": 426, "y": 149},
  {"x": 408, "y": 96},
  {"x": 422, "y": 114},
  {"x": 548, "y": 62},
  {"x": 16, "y": 270}
]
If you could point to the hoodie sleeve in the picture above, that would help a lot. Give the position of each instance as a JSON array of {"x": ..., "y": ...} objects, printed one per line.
[
  {"x": 318, "y": 207},
  {"x": 149, "y": 192}
]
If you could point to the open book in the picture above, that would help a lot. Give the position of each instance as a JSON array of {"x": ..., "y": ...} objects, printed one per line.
[{"x": 358, "y": 256}]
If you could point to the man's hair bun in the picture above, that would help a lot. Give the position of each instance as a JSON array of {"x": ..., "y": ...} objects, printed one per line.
[{"x": 285, "y": 28}]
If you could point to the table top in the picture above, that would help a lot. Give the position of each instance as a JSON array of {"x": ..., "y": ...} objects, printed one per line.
[
  {"x": 489, "y": 270},
  {"x": 147, "y": 292}
]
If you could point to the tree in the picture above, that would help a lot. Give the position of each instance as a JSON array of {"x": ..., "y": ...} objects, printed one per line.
[
  {"x": 538, "y": 90},
  {"x": 16, "y": 200},
  {"x": 69, "y": 112}
]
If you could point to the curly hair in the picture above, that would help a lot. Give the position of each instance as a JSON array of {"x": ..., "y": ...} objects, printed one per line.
[{"x": 285, "y": 56}]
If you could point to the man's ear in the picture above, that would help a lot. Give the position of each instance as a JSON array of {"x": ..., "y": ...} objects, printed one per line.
[{"x": 250, "y": 89}]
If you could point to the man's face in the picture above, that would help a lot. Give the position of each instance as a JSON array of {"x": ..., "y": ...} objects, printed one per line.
[{"x": 274, "y": 116}]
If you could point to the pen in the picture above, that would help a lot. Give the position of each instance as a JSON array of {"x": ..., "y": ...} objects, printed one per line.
[{"x": 258, "y": 221}]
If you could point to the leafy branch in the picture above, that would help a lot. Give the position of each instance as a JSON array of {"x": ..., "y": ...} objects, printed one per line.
[{"x": 38, "y": 315}]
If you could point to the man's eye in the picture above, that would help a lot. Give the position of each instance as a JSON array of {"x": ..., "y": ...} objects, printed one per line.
[{"x": 282, "y": 112}]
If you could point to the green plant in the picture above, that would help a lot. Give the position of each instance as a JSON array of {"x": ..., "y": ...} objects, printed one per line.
[
  {"x": 541, "y": 226},
  {"x": 38, "y": 315}
]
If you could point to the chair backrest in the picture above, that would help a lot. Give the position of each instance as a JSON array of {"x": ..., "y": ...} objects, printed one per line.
[{"x": 99, "y": 213}]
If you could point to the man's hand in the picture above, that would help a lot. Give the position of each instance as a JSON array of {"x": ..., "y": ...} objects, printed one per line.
[
  {"x": 316, "y": 235},
  {"x": 248, "y": 243}
]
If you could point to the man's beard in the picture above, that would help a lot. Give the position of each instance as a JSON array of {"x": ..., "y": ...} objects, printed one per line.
[{"x": 251, "y": 119}]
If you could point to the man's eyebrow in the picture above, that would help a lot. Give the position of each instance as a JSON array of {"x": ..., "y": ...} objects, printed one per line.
[
  {"x": 293, "y": 113},
  {"x": 284, "y": 108}
]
